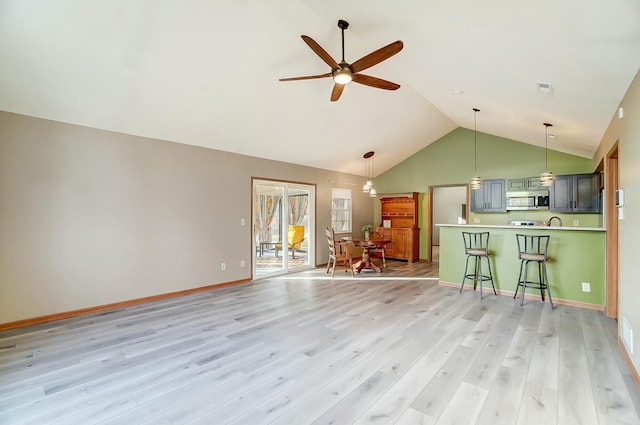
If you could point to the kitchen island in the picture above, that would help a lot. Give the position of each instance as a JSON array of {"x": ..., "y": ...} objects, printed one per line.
[{"x": 576, "y": 255}]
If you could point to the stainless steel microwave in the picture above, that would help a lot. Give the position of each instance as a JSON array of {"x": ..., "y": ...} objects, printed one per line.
[{"x": 538, "y": 200}]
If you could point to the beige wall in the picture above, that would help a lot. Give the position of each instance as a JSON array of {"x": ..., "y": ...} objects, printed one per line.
[
  {"x": 91, "y": 217},
  {"x": 626, "y": 132}
]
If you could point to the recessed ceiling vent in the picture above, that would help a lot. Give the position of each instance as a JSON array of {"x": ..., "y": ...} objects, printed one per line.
[{"x": 544, "y": 87}]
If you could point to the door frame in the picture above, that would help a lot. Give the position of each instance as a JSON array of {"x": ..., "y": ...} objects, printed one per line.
[
  {"x": 611, "y": 183},
  {"x": 311, "y": 243}
]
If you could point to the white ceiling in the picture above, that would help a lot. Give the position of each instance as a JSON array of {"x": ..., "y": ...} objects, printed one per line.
[{"x": 206, "y": 72}]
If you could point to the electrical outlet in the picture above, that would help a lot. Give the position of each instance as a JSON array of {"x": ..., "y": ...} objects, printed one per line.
[
  {"x": 576, "y": 222},
  {"x": 242, "y": 263},
  {"x": 223, "y": 266},
  {"x": 476, "y": 220},
  {"x": 586, "y": 287},
  {"x": 242, "y": 222}
]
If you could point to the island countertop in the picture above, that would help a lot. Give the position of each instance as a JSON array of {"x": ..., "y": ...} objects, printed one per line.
[{"x": 509, "y": 226}]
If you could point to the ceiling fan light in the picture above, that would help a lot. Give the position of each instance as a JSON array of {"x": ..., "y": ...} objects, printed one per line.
[{"x": 342, "y": 75}]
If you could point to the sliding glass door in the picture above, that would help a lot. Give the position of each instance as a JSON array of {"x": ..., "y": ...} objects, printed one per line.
[{"x": 283, "y": 223}]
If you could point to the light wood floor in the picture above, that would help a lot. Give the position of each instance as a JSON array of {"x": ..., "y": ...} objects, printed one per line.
[{"x": 389, "y": 348}]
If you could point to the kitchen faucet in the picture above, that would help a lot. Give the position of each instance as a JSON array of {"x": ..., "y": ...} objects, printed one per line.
[{"x": 557, "y": 218}]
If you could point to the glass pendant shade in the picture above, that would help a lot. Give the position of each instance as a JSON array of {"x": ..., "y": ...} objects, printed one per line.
[
  {"x": 546, "y": 179},
  {"x": 372, "y": 192},
  {"x": 475, "y": 183}
]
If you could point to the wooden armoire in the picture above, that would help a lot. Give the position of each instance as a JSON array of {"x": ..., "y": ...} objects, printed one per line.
[{"x": 400, "y": 214}]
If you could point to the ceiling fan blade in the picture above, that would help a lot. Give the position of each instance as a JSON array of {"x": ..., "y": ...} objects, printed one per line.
[
  {"x": 309, "y": 77},
  {"x": 337, "y": 91},
  {"x": 326, "y": 57},
  {"x": 376, "y": 57},
  {"x": 379, "y": 83}
]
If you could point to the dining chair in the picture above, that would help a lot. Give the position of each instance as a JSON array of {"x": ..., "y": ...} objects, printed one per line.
[
  {"x": 378, "y": 234},
  {"x": 340, "y": 252}
]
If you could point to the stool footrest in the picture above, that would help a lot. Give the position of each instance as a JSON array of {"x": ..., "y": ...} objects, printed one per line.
[
  {"x": 541, "y": 284},
  {"x": 483, "y": 277},
  {"x": 533, "y": 284},
  {"x": 477, "y": 275}
]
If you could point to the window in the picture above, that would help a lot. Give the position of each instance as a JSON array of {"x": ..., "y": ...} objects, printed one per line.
[{"x": 341, "y": 210}]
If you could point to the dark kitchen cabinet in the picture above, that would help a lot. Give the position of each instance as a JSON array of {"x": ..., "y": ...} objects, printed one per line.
[
  {"x": 490, "y": 197},
  {"x": 524, "y": 185},
  {"x": 575, "y": 193}
]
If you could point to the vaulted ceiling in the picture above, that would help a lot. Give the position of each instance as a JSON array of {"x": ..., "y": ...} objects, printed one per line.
[{"x": 206, "y": 72}]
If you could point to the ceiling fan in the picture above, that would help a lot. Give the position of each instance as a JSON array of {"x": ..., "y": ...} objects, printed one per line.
[{"x": 343, "y": 72}]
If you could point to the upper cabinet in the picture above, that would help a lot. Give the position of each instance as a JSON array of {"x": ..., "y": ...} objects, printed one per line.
[
  {"x": 400, "y": 211},
  {"x": 491, "y": 197},
  {"x": 575, "y": 193},
  {"x": 525, "y": 184}
]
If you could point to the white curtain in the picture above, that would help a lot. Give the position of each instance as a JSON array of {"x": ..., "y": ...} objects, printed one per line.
[
  {"x": 297, "y": 208},
  {"x": 266, "y": 207}
]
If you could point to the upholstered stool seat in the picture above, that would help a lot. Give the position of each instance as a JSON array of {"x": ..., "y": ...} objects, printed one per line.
[
  {"x": 532, "y": 257},
  {"x": 476, "y": 247},
  {"x": 533, "y": 249}
]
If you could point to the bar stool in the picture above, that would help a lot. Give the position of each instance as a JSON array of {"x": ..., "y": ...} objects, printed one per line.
[
  {"x": 533, "y": 248},
  {"x": 476, "y": 246}
]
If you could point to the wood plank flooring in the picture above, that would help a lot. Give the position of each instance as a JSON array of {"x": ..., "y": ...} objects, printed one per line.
[{"x": 389, "y": 348}]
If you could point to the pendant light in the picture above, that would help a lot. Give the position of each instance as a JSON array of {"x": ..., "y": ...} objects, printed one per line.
[
  {"x": 368, "y": 175},
  {"x": 546, "y": 177},
  {"x": 476, "y": 182}
]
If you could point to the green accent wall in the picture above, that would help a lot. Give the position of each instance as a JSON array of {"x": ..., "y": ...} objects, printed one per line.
[
  {"x": 575, "y": 256},
  {"x": 450, "y": 161}
]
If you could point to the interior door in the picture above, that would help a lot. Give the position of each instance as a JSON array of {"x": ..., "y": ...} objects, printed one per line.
[
  {"x": 448, "y": 206},
  {"x": 284, "y": 227}
]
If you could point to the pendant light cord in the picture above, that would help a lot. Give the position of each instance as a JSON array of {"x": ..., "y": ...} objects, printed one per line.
[
  {"x": 475, "y": 141},
  {"x": 546, "y": 145},
  {"x": 372, "y": 171}
]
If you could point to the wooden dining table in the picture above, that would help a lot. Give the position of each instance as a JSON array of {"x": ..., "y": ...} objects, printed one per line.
[{"x": 367, "y": 262}]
